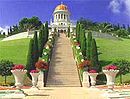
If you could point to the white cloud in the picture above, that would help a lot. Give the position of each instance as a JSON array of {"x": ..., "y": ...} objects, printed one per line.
[
  {"x": 4, "y": 29},
  {"x": 127, "y": 5},
  {"x": 120, "y": 6},
  {"x": 115, "y": 6}
]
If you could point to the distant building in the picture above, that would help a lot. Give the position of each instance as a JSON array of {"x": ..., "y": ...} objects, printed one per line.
[{"x": 61, "y": 19}]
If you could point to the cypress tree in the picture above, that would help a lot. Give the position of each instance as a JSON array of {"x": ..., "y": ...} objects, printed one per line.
[
  {"x": 40, "y": 41},
  {"x": 30, "y": 63},
  {"x": 94, "y": 54},
  {"x": 46, "y": 31},
  {"x": 69, "y": 31},
  {"x": 89, "y": 44},
  {"x": 80, "y": 33},
  {"x": 35, "y": 48},
  {"x": 77, "y": 31},
  {"x": 83, "y": 43}
]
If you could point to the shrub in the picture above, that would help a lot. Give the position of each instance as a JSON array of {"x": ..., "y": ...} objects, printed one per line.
[{"x": 5, "y": 68}]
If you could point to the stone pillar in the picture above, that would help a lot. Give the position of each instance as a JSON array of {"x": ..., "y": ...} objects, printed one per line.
[{"x": 85, "y": 82}]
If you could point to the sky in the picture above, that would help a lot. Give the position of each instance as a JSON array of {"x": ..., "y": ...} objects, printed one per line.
[{"x": 113, "y": 11}]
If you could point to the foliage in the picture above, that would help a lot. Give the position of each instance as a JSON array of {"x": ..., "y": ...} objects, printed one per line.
[
  {"x": 30, "y": 63},
  {"x": 41, "y": 40},
  {"x": 35, "y": 48},
  {"x": 94, "y": 55},
  {"x": 83, "y": 42},
  {"x": 105, "y": 27},
  {"x": 68, "y": 31},
  {"x": 30, "y": 23},
  {"x": 5, "y": 68},
  {"x": 89, "y": 44},
  {"x": 123, "y": 66},
  {"x": 41, "y": 65}
]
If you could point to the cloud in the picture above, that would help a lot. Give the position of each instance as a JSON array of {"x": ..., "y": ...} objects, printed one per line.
[
  {"x": 4, "y": 29},
  {"x": 120, "y": 6},
  {"x": 127, "y": 5},
  {"x": 115, "y": 5}
]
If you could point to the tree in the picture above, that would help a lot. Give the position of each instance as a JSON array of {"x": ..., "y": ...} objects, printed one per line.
[
  {"x": 35, "y": 48},
  {"x": 94, "y": 55},
  {"x": 29, "y": 23},
  {"x": 68, "y": 31},
  {"x": 30, "y": 57},
  {"x": 89, "y": 44},
  {"x": 5, "y": 68},
  {"x": 123, "y": 66},
  {"x": 41, "y": 41},
  {"x": 46, "y": 30},
  {"x": 77, "y": 31},
  {"x": 83, "y": 43}
]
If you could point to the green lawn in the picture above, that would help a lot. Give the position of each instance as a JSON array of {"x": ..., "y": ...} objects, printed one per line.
[
  {"x": 14, "y": 50},
  {"x": 113, "y": 49}
]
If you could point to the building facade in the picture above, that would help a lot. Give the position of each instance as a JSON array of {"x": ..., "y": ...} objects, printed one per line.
[{"x": 61, "y": 20}]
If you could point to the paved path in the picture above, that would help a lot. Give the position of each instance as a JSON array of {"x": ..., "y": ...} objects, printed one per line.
[
  {"x": 63, "y": 70},
  {"x": 65, "y": 93}
]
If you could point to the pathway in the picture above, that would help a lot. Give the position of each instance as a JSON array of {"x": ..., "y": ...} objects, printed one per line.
[
  {"x": 65, "y": 93},
  {"x": 63, "y": 70}
]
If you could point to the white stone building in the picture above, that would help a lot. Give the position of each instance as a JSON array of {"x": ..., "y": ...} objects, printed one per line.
[{"x": 61, "y": 19}]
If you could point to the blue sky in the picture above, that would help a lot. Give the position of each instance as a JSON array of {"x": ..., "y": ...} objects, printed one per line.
[{"x": 114, "y": 11}]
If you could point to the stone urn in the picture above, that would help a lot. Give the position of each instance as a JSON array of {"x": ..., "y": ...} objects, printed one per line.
[
  {"x": 110, "y": 75},
  {"x": 19, "y": 77},
  {"x": 34, "y": 79},
  {"x": 40, "y": 83},
  {"x": 85, "y": 81},
  {"x": 93, "y": 78}
]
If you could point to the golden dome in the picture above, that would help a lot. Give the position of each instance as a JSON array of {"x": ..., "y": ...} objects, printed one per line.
[{"x": 61, "y": 7}]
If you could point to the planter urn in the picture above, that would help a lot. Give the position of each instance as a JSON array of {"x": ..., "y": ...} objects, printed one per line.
[
  {"x": 93, "y": 78},
  {"x": 34, "y": 79},
  {"x": 19, "y": 77},
  {"x": 110, "y": 75}
]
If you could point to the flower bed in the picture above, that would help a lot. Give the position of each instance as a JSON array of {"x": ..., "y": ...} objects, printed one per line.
[
  {"x": 77, "y": 55},
  {"x": 47, "y": 52}
]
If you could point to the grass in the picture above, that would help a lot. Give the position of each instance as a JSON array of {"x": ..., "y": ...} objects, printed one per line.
[
  {"x": 14, "y": 50},
  {"x": 113, "y": 49}
]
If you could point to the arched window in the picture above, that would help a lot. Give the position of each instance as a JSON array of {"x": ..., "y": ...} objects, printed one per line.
[
  {"x": 61, "y": 16},
  {"x": 64, "y": 16},
  {"x": 58, "y": 16}
]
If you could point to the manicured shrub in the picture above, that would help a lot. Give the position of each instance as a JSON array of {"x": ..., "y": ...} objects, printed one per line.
[{"x": 5, "y": 68}]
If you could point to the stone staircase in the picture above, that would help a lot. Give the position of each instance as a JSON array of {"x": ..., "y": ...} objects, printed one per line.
[{"x": 63, "y": 70}]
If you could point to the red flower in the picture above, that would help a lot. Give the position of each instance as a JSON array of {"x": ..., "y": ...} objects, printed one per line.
[
  {"x": 110, "y": 67},
  {"x": 20, "y": 66},
  {"x": 77, "y": 43},
  {"x": 93, "y": 71},
  {"x": 41, "y": 65},
  {"x": 84, "y": 63},
  {"x": 34, "y": 71}
]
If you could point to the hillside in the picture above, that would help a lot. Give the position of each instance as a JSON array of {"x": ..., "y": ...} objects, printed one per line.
[
  {"x": 14, "y": 50},
  {"x": 113, "y": 49}
]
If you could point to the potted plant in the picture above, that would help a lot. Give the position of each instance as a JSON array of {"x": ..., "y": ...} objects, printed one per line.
[
  {"x": 42, "y": 67},
  {"x": 34, "y": 74},
  {"x": 110, "y": 72},
  {"x": 18, "y": 72},
  {"x": 93, "y": 74}
]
